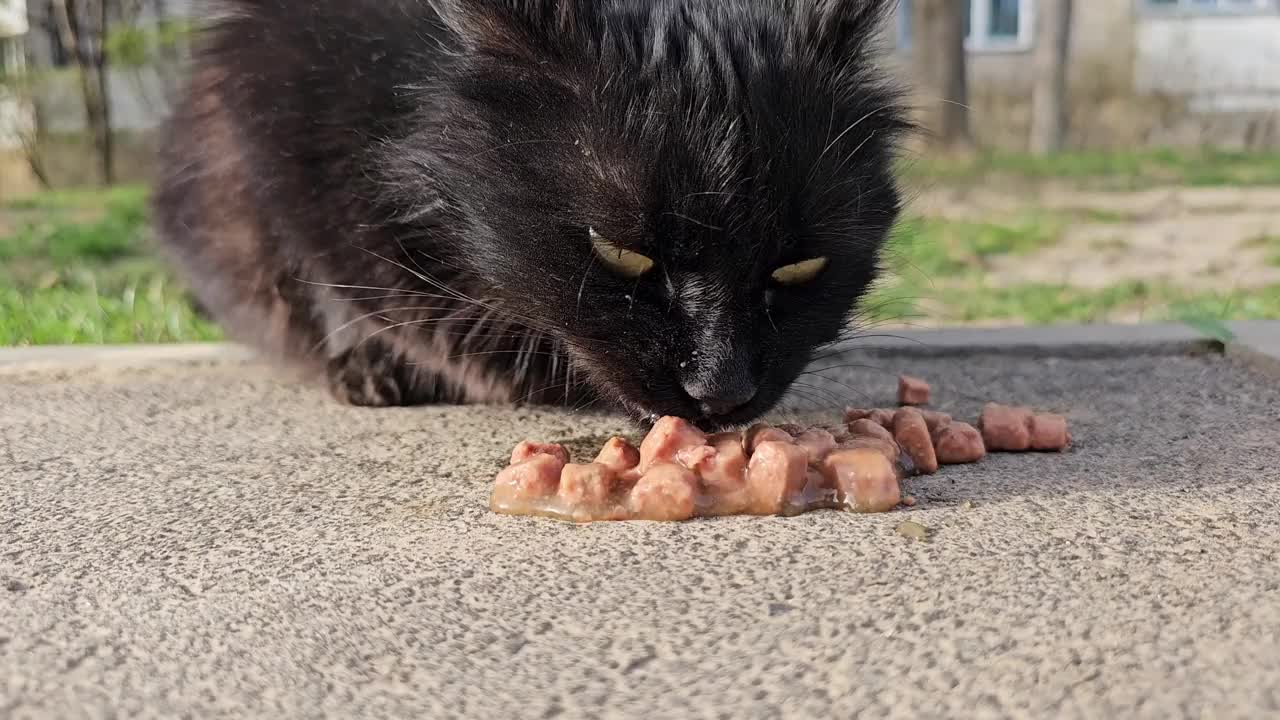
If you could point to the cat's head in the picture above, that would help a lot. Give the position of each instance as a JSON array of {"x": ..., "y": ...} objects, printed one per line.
[{"x": 690, "y": 195}]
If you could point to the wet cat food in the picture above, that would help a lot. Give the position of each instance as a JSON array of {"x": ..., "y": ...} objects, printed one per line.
[
  {"x": 912, "y": 435},
  {"x": 679, "y": 472},
  {"x": 912, "y": 391},
  {"x": 958, "y": 443},
  {"x": 1017, "y": 429},
  {"x": 884, "y": 417},
  {"x": 1049, "y": 432},
  {"x": 879, "y": 416}
]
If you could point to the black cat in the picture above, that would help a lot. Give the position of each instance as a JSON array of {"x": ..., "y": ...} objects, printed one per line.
[{"x": 664, "y": 204}]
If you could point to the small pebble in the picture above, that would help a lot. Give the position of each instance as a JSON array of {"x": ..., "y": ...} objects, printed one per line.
[{"x": 913, "y": 530}]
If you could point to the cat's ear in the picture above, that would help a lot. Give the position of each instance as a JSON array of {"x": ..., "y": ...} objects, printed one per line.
[
  {"x": 841, "y": 28},
  {"x": 524, "y": 29}
]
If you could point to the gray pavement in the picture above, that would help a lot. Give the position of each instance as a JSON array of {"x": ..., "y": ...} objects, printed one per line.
[{"x": 192, "y": 537}]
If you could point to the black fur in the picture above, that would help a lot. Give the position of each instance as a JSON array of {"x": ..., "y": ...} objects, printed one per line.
[{"x": 397, "y": 193}]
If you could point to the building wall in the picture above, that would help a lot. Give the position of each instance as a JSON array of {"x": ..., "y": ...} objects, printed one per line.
[
  {"x": 1139, "y": 76},
  {"x": 139, "y": 97},
  {"x": 1136, "y": 77},
  {"x": 138, "y": 100},
  {"x": 1100, "y": 77},
  {"x": 1224, "y": 63},
  {"x": 13, "y": 17}
]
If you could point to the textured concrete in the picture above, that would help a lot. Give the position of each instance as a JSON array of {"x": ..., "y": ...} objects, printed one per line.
[{"x": 205, "y": 541}]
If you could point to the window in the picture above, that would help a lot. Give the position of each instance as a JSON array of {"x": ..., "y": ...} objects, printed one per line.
[
  {"x": 1210, "y": 7},
  {"x": 988, "y": 24}
]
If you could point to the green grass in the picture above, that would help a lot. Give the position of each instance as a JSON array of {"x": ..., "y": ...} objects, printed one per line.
[
  {"x": 1270, "y": 244},
  {"x": 77, "y": 267},
  {"x": 934, "y": 248},
  {"x": 1099, "y": 215},
  {"x": 936, "y": 271},
  {"x": 1042, "y": 304},
  {"x": 130, "y": 196},
  {"x": 1118, "y": 170}
]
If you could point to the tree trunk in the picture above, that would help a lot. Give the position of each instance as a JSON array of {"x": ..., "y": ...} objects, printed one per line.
[
  {"x": 106, "y": 140},
  {"x": 33, "y": 137},
  {"x": 86, "y": 46},
  {"x": 170, "y": 69},
  {"x": 940, "y": 69},
  {"x": 1049, "y": 96}
]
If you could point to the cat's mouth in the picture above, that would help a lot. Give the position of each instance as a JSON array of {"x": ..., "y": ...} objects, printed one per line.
[{"x": 738, "y": 419}]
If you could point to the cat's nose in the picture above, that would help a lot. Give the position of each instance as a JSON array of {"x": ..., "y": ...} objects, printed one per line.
[{"x": 718, "y": 400}]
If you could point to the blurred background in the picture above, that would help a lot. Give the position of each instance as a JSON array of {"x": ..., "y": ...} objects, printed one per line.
[{"x": 1100, "y": 161}]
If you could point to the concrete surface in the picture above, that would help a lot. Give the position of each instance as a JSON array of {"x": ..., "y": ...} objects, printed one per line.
[{"x": 201, "y": 540}]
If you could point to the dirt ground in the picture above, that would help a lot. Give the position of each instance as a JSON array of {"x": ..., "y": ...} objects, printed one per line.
[{"x": 1196, "y": 238}]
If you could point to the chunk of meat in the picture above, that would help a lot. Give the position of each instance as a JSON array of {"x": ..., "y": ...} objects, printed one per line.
[
  {"x": 1049, "y": 432},
  {"x": 935, "y": 419},
  {"x": 864, "y": 480},
  {"x": 668, "y": 437},
  {"x": 869, "y": 428},
  {"x": 527, "y": 449},
  {"x": 868, "y": 434},
  {"x": 587, "y": 484},
  {"x": 817, "y": 443},
  {"x": 912, "y": 391},
  {"x": 958, "y": 443},
  {"x": 761, "y": 433},
  {"x": 852, "y": 414},
  {"x": 886, "y": 447},
  {"x": 839, "y": 433},
  {"x": 1005, "y": 428},
  {"x": 912, "y": 434},
  {"x": 879, "y": 416},
  {"x": 618, "y": 455},
  {"x": 679, "y": 472},
  {"x": 665, "y": 492},
  {"x": 721, "y": 463},
  {"x": 776, "y": 473},
  {"x": 883, "y": 416},
  {"x": 528, "y": 481}
]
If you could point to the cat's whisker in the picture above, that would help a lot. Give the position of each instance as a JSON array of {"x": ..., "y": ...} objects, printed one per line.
[
  {"x": 445, "y": 288},
  {"x": 577, "y": 311},
  {"x": 422, "y": 276},
  {"x": 419, "y": 322},
  {"x": 814, "y": 405},
  {"x": 375, "y": 313},
  {"x": 589, "y": 401},
  {"x": 538, "y": 391},
  {"x": 839, "y": 137},
  {"x": 831, "y": 395},
  {"x": 365, "y": 298},
  {"x": 699, "y": 223},
  {"x": 370, "y": 287},
  {"x": 854, "y": 152},
  {"x": 861, "y": 393}
]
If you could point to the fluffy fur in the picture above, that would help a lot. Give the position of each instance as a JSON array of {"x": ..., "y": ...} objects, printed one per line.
[{"x": 396, "y": 194}]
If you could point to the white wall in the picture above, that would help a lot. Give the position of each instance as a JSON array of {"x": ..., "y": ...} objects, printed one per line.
[
  {"x": 15, "y": 121},
  {"x": 1227, "y": 63},
  {"x": 13, "y": 17}
]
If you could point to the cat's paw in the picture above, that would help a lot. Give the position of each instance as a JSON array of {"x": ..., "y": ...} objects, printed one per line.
[{"x": 366, "y": 377}]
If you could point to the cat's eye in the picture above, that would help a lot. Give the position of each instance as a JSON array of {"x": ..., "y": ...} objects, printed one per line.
[
  {"x": 799, "y": 273},
  {"x": 622, "y": 261}
]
